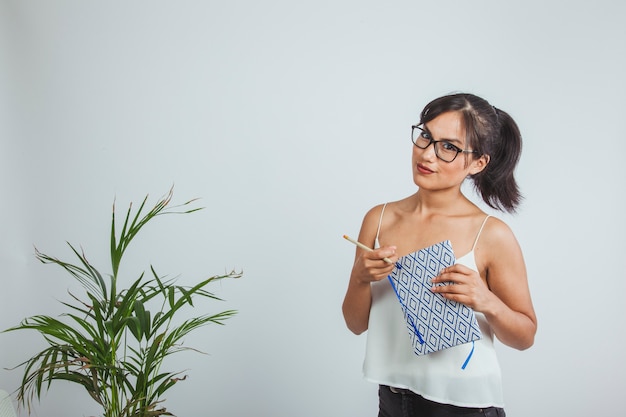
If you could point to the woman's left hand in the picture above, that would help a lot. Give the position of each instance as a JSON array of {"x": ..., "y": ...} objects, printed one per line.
[{"x": 463, "y": 285}]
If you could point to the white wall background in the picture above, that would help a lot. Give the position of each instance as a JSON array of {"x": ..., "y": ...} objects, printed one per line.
[{"x": 290, "y": 120}]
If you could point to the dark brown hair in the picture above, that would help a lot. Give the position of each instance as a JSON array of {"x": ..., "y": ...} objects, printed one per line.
[{"x": 490, "y": 131}]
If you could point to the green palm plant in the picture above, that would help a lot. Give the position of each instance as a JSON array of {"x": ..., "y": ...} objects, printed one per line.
[{"x": 110, "y": 342}]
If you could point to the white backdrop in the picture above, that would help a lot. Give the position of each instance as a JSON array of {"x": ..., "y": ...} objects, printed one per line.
[{"x": 290, "y": 120}]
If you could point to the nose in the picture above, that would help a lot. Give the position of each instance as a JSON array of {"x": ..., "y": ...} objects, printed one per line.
[{"x": 429, "y": 152}]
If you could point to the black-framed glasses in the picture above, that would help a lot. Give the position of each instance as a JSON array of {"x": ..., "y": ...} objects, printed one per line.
[{"x": 444, "y": 150}]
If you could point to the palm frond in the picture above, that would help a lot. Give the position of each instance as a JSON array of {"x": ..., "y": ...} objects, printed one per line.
[{"x": 114, "y": 342}]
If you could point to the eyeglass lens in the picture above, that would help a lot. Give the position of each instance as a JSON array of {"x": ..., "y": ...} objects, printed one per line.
[{"x": 445, "y": 151}]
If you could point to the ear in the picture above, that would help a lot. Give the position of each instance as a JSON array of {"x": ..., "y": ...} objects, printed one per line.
[{"x": 479, "y": 164}]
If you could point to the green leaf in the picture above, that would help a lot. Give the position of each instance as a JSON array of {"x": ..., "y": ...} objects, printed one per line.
[{"x": 113, "y": 343}]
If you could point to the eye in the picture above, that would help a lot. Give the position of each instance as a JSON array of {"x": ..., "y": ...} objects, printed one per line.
[
  {"x": 425, "y": 135},
  {"x": 447, "y": 146}
]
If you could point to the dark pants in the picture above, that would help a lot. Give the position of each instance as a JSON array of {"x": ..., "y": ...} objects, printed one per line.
[{"x": 394, "y": 402}]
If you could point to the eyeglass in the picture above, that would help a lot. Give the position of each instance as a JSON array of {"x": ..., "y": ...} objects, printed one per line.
[{"x": 444, "y": 150}]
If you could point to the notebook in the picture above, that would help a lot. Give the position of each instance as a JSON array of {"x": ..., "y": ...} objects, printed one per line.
[{"x": 433, "y": 322}]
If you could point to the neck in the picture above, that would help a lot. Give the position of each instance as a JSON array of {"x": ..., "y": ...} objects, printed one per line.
[{"x": 440, "y": 202}]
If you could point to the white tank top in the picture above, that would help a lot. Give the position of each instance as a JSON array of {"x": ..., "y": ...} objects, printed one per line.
[{"x": 389, "y": 357}]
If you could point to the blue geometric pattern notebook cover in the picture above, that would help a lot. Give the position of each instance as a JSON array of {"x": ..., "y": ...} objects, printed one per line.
[{"x": 434, "y": 323}]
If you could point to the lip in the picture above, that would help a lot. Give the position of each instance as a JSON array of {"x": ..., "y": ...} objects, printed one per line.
[{"x": 423, "y": 169}]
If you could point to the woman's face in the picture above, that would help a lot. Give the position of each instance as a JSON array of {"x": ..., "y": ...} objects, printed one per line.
[{"x": 430, "y": 172}]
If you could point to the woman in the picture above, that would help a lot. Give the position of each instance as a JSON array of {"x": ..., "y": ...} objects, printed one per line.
[{"x": 459, "y": 136}]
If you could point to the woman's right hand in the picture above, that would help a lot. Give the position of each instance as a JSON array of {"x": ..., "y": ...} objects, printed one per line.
[{"x": 374, "y": 266}]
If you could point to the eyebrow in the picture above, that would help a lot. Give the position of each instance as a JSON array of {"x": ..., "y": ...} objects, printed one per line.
[{"x": 441, "y": 139}]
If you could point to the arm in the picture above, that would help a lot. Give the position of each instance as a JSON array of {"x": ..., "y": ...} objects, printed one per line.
[
  {"x": 502, "y": 295},
  {"x": 368, "y": 267}
]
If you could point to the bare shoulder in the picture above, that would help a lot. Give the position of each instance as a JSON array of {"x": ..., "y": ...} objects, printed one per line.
[
  {"x": 384, "y": 212},
  {"x": 497, "y": 226},
  {"x": 369, "y": 227},
  {"x": 497, "y": 232},
  {"x": 499, "y": 250},
  {"x": 373, "y": 215}
]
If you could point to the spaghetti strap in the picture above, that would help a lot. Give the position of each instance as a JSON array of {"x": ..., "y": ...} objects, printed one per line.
[
  {"x": 380, "y": 221},
  {"x": 480, "y": 231}
]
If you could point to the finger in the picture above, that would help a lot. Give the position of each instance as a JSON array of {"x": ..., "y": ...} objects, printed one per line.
[
  {"x": 455, "y": 273},
  {"x": 378, "y": 266},
  {"x": 381, "y": 274},
  {"x": 448, "y": 277},
  {"x": 375, "y": 262},
  {"x": 447, "y": 288},
  {"x": 452, "y": 297},
  {"x": 459, "y": 268},
  {"x": 385, "y": 253}
]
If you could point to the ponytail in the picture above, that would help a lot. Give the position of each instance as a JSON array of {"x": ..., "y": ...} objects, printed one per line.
[{"x": 496, "y": 183}]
